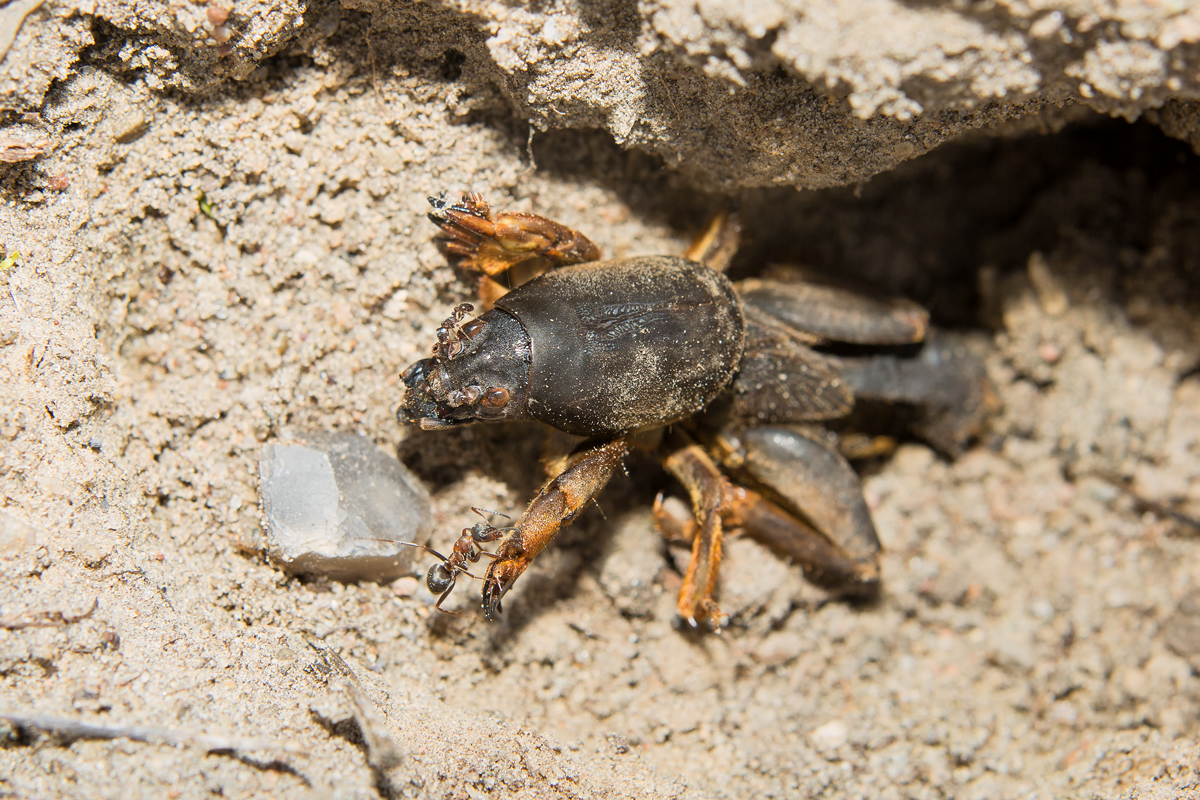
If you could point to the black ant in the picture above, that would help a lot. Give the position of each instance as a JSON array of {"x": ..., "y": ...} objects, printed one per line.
[
  {"x": 450, "y": 336},
  {"x": 442, "y": 576}
]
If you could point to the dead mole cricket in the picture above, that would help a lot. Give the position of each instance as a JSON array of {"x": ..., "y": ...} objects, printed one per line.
[{"x": 725, "y": 382}]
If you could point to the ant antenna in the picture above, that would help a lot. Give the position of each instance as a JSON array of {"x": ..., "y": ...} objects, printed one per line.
[{"x": 482, "y": 511}]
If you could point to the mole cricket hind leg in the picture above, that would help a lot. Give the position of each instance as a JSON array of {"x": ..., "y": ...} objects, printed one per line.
[
  {"x": 810, "y": 506},
  {"x": 492, "y": 243},
  {"x": 836, "y": 315},
  {"x": 824, "y": 563},
  {"x": 945, "y": 381},
  {"x": 555, "y": 506}
]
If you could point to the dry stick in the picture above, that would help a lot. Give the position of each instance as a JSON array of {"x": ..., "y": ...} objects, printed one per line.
[
  {"x": 383, "y": 753},
  {"x": 1123, "y": 485},
  {"x": 47, "y": 619},
  {"x": 70, "y": 729}
]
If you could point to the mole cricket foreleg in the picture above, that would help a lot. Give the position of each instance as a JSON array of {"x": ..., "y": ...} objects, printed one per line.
[
  {"x": 492, "y": 243},
  {"x": 508, "y": 248},
  {"x": 555, "y": 506}
]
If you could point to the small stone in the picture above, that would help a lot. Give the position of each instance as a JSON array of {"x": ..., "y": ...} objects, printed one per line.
[
  {"x": 1042, "y": 609},
  {"x": 406, "y": 586},
  {"x": 830, "y": 736},
  {"x": 15, "y": 536},
  {"x": 1049, "y": 352},
  {"x": 334, "y": 505},
  {"x": 1012, "y": 644},
  {"x": 294, "y": 141},
  {"x": 618, "y": 743},
  {"x": 779, "y": 648},
  {"x": 1063, "y": 713},
  {"x": 91, "y": 550},
  {"x": 129, "y": 126},
  {"x": 333, "y": 212},
  {"x": 1181, "y": 631}
]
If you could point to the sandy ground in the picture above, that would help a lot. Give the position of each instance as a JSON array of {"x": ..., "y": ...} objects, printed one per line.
[{"x": 196, "y": 273}]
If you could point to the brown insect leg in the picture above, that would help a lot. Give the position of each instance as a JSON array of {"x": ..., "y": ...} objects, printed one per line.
[
  {"x": 825, "y": 564},
  {"x": 717, "y": 244},
  {"x": 673, "y": 519},
  {"x": 709, "y": 493},
  {"x": 493, "y": 243},
  {"x": 490, "y": 290},
  {"x": 801, "y": 470},
  {"x": 555, "y": 506}
]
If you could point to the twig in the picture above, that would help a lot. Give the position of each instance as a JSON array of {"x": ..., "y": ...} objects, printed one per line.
[
  {"x": 47, "y": 619},
  {"x": 14, "y": 149},
  {"x": 1146, "y": 504},
  {"x": 70, "y": 729},
  {"x": 382, "y": 751}
]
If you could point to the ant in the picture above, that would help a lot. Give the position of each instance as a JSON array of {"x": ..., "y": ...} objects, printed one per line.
[
  {"x": 442, "y": 576},
  {"x": 450, "y": 336}
]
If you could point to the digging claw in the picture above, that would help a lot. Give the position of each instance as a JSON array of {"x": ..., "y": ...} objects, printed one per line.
[
  {"x": 500, "y": 577},
  {"x": 492, "y": 244}
]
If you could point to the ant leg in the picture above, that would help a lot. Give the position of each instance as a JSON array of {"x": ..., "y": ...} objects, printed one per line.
[
  {"x": 555, "y": 506},
  {"x": 438, "y": 605}
]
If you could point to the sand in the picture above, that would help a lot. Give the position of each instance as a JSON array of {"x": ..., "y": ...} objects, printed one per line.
[{"x": 224, "y": 239}]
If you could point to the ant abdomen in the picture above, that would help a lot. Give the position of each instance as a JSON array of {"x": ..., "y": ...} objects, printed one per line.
[{"x": 439, "y": 578}]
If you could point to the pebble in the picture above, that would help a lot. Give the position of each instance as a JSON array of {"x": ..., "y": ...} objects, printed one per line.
[
  {"x": 334, "y": 505},
  {"x": 15, "y": 536},
  {"x": 1181, "y": 631},
  {"x": 91, "y": 550},
  {"x": 830, "y": 736}
]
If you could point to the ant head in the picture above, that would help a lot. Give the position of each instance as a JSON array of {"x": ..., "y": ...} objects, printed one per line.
[
  {"x": 439, "y": 579},
  {"x": 482, "y": 533}
]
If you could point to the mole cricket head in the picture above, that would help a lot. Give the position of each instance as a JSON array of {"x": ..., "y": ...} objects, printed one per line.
[{"x": 479, "y": 371}]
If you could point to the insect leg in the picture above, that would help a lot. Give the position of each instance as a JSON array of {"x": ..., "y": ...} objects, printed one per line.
[
  {"x": 821, "y": 519},
  {"x": 709, "y": 493},
  {"x": 946, "y": 382},
  {"x": 823, "y": 562},
  {"x": 717, "y": 244},
  {"x": 555, "y": 506},
  {"x": 493, "y": 243}
]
